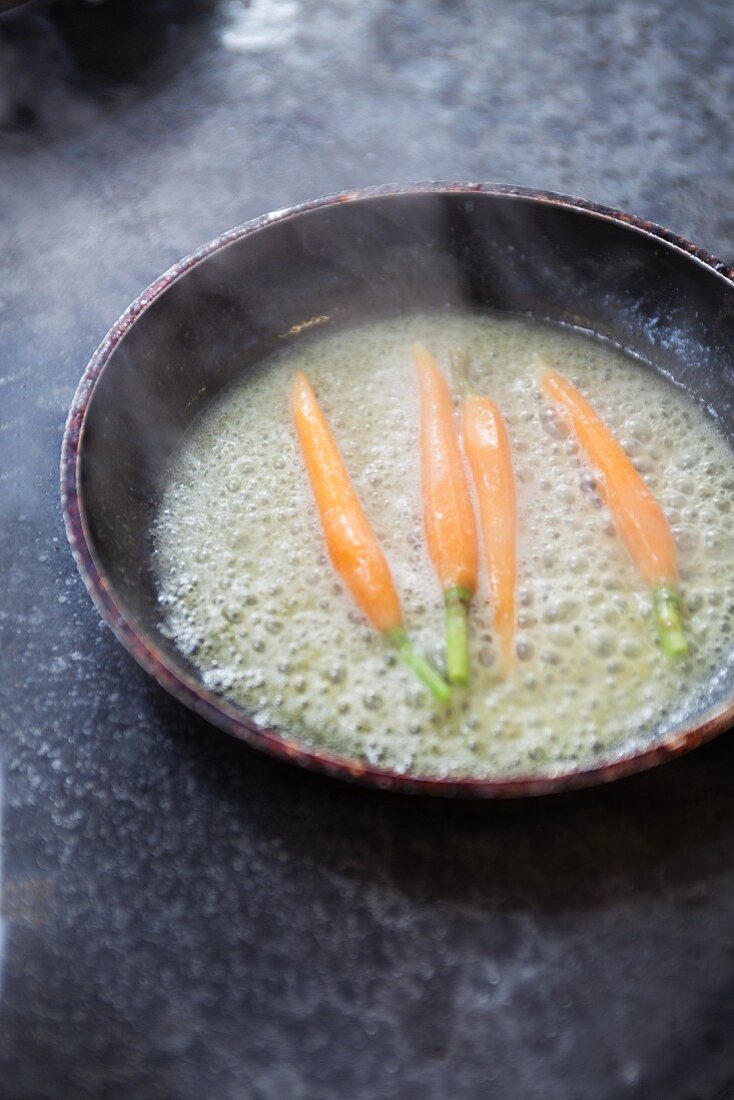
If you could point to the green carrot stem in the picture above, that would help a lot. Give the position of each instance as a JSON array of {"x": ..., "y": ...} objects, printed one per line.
[
  {"x": 457, "y": 634},
  {"x": 668, "y": 608},
  {"x": 460, "y": 364},
  {"x": 423, "y": 669}
]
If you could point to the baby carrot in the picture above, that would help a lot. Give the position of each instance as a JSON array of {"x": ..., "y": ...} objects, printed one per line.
[
  {"x": 355, "y": 552},
  {"x": 448, "y": 513},
  {"x": 487, "y": 449},
  {"x": 638, "y": 517}
]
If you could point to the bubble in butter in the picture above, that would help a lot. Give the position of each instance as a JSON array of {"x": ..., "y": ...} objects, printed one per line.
[{"x": 250, "y": 596}]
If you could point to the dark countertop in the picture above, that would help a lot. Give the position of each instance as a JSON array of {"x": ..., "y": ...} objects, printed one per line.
[{"x": 184, "y": 918}]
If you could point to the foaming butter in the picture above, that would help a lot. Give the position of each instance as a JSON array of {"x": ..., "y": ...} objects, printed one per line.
[{"x": 249, "y": 594}]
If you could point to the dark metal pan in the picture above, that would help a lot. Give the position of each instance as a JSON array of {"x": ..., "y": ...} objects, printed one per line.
[{"x": 349, "y": 257}]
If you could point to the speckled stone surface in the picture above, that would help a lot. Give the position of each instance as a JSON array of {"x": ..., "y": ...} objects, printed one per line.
[{"x": 182, "y": 918}]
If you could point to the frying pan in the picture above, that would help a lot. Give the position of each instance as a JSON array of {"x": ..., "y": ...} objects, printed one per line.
[{"x": 349, "y": 257}]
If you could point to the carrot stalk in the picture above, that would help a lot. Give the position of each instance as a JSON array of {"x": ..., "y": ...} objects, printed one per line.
[
  {"x": 457, "y": 602},
  {"x": 668, "y": 612},
  {"x": 487, "y": 449},
  {"x": 423, "y": 668},
  {"x": 448, "y": 512},
  {"x": 638, "y": 517},
  {"x": 353, "y": 547}
]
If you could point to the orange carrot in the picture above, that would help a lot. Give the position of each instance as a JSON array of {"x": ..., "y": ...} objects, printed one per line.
[
  {"x": 638, "y": 517},
  {"x": 355, "y": 552},
  {"x": 487, "y": 448},
  {"x": 448, "y": 512}
]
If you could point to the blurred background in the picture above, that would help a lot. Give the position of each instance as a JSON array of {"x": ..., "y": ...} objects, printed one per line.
[{"x": 184, "y": 919}]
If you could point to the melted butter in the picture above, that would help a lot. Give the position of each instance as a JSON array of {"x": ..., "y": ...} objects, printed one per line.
[{"x": 250, "y": 596}]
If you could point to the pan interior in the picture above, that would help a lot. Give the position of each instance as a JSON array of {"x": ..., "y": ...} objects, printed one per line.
[{"x": 247, "y": 590}]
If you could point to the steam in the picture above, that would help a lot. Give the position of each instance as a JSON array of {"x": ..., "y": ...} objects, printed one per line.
[{"x": 266, "y": 25}]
